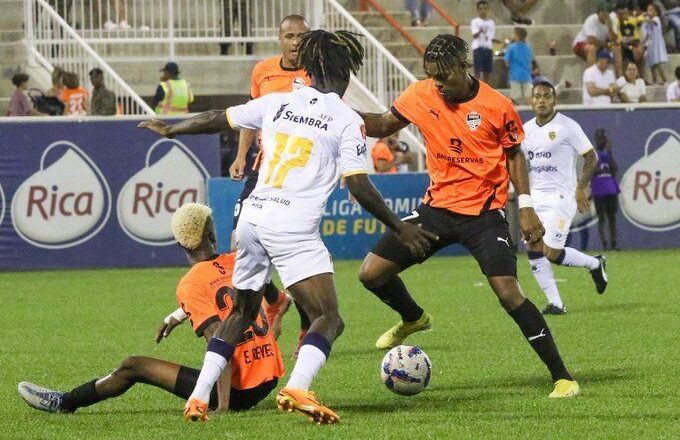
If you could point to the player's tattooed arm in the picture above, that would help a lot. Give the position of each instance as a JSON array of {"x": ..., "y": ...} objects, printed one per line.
[
  {"x": 224, "y": 381},
  {"x": 530, "y": 225},
  {"x": 414, "y": 237},
  {"x": 210, "y": 122},
  {"x": 380, "y": 125},
  {"x": 583, "y": 187}
]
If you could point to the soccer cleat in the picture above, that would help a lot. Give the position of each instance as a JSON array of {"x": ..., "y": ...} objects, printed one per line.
[
  {"x": 303, "y": 333},
  {"x": 196, "y": 411},
  {"x": 552, "y": 309},
  {"x": 396, "y": 335},
  {"x": 305, "y": 403},
  {"x": 565, "y": 388},
  {"x": 271, "y": 310},
  {"x": 600, "y": 275},
  {"x": 41, "y": 398}
]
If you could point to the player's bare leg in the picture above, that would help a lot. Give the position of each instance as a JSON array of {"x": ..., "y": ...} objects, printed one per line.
[
  {"x": 220, "y": 349},
  {"x": 134, "y": 369},
  {"x": 381, "y": 276},
  {"x": 316, "y": 296},
  {"x": 536, "y": 331}
]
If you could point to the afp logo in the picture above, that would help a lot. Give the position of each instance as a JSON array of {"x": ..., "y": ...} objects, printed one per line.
[
  {"x": 65, "y": 203},
  {"x": 650, "y": 188},
  {"x": 172, "y": 176}
]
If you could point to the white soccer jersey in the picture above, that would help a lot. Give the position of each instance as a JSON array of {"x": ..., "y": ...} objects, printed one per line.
[
  {"x": 552, "y": 151},
  {"x": 309, "y": 139}
]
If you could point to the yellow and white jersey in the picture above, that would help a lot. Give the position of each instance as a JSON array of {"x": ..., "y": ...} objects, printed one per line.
[{"x": 309, "y": 139}]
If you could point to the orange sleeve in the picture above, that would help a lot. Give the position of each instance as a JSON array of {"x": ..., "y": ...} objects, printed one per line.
[
  {"x": 198, "y": 305},
  {"x": 406, "y": 105},
  {"x": 255, "y": 82},
  {"x": 512, "y": 131}
]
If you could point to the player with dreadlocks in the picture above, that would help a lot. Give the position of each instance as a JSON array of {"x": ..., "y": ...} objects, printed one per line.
[
  {"x": 310, "y": 138},
  {"x": 472, "y": 135}
]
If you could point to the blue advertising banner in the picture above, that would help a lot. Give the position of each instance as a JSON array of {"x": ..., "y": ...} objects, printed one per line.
[{"x": 95, "y": 194}]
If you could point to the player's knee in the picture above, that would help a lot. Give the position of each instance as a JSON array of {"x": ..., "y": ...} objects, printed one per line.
[
  {"x": 130, "y": 367},
  {"x": 370, "y": 276}
]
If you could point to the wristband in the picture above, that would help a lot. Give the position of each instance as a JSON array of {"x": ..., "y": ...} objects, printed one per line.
[
  {"x": 524, "y": 201},
  {"x": 177, "y": 315}
]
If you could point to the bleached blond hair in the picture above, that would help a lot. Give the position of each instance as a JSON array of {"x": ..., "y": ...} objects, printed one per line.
[{"x": 188, "y": 223}]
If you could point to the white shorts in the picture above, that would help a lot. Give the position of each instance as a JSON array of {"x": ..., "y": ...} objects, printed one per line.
[
  {"x": 556, "y": 211},
  {"x": 296, "y": 256}
]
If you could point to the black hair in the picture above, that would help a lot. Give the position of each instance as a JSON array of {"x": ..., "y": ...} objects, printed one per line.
[
  {"x": 544, "y": 83},
  {"x": 96, "y": 71},
  {"x": 446, "y": 51},
  {"x": 330, "y": 55},
  {"x": 677, "y": 72},
  {"x": 19, "y": 78},
  {"x": 481, "y": 2},
  {"x": 521, "y": 33}
]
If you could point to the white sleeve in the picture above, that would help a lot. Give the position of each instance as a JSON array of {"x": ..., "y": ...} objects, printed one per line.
[
  {"x": 492, "y": 30},
  {"x": 590, "y": 26},
  {"x": 251, "y": 114},
  {"x": 578, "y": 139},
  {"x": 621, "y": 82},
  {"x": 587, "y": 76},
  {"x": 474, "y": 26},
  {"x": 353, "y": 150},
  {"x": 672, "y": 91},
  {"x": 642, "y": 85}
]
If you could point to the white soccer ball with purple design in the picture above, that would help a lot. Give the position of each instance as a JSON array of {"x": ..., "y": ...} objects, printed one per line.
[{"x": 406, "y": 370}]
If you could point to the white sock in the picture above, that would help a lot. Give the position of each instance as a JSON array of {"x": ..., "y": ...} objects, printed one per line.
[
  {"x": 309, "y": 362},
  {"x": 213, "y": 364},
  {"x": 542, "y": 270},
  {"x": 574, "y": 258}
]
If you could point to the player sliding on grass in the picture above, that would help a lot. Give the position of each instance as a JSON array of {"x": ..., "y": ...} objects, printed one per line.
[
  {"x": 310, "y": 138},
  {"x": 205, "y": 295},
  {"x": 473, "y": 136},
  {"x": 552, "y": 144}
]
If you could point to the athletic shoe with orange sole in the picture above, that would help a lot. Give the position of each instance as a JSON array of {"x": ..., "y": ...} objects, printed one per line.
[
  {"x": 281, "y": 304},
  {"x": 196, "y": 411},
  {"x": 306, "y": 403}
]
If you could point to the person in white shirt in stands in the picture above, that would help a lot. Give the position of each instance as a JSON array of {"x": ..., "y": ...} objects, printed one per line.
[
  {"x": 673, "y": 90},
  {"x": 632, "y": 88},
  {"x": 599, "y": 82},
  {"x": 594, "y": 36},
  {"x": 483, "y": 31}
]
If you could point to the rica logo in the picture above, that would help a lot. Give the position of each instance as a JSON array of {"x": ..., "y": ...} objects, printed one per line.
[
  {"x": 65, "y": 203},
  {"x": 150, "y": 197},
  {"x": 650, "y": 188}
]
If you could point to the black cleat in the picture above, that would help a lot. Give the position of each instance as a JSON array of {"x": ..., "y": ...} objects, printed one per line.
[
  {"x": 600, "y": 275},
  {"x": 552, "y": 309}
]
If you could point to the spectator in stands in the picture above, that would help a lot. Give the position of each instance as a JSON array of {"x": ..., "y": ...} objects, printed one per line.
[
  {"x": 518, "y": 10},
  {"x": 632, "y": 88},
  {"x": 420, "y": 11},
  {"x": 240, "y": 10},
  {"x": 518, "y": 57},
  {"x": 117, "y": 15},
  {"x": 673, "y": 90},
  {"x": 389, "y": 157},
  {"x": 57, "y": 89},
  {"x": 599, "y": 82},
  {"x": 673, "y": 17},
  {"x": 173, "y": 94},
  {"x": 103, "y": 101},
  {"x": 630, "y": 22},
  {"x": 483, "y": 31},
  {"x": 19, "y": 104},
  {"x": 75, "y": 97},
  {"x": 656, "y": 52},
  {"x": 605, "y": 189},
  {"x": 595, "y": 35}
]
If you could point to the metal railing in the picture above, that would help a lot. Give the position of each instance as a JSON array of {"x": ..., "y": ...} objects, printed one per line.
[{"x": 50, "y": 41}]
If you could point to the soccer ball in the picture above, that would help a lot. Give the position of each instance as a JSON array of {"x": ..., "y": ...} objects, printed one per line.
[{"x": 406, "y": 370}]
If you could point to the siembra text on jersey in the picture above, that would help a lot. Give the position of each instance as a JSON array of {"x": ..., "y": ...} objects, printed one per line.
[{"x": 306, "y": 120}]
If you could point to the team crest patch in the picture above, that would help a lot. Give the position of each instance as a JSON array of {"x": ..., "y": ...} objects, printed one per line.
[
  {"x": 552, "y": 135},
  {"x": 474, "y": 120},
  {"x": 298, "y": 82}
]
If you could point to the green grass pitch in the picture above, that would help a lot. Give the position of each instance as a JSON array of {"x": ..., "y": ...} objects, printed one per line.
[{"x": 61, "y": 329}]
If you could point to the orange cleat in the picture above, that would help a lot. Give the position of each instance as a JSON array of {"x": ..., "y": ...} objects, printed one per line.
[
  {"x": 196, "y": 411},
  {"x": 279, "y": 307},
  {"x": 306, "y": 403}
]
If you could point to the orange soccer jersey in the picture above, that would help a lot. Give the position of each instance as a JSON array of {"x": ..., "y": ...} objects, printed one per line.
[
  {"x": 205, "y": 294},
  {"x": 269, "y": 76},
  {"x": 382, "y": 151},
  {"x": 466, "y": 145}
]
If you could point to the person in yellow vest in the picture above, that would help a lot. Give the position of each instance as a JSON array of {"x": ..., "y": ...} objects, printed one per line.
[{"x": 173, "y": 94}]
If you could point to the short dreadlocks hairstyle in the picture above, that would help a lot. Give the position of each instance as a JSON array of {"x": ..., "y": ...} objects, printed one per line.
[
  {"x": 446, "y": 51},
  {"x": 327, "y": 55}
]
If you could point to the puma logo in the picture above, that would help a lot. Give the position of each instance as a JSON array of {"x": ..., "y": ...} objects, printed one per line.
[
  {"x": 504, "y": 240},
  {"x": 436, "y": 114},
  {"x": 540, "y": 335}
]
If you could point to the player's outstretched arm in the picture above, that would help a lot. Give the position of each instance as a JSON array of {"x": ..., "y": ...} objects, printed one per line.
[
  {"x": 380, "y": 125},
  {"x": 531, "y": 226},
  {"x": 223, "y": 383},
  {"x": 583, "y": 187},
  {"x": 417, "y": 239},
  {"x": 169, "y": 323},
  {"x": 210, "y": 122}
]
